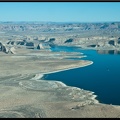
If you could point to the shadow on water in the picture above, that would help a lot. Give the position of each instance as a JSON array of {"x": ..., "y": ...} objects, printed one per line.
[{"x": 102, "y": 77}]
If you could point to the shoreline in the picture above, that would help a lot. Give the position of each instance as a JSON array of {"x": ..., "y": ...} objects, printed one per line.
[{"x": 39, "y": 77}]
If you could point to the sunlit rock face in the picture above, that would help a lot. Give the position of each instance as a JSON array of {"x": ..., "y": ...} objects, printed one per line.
[
  {"x": 43, "y": 36},
  {"x": 7, "y": 49},
  {"x": 3, "y": 48},
  {"x": 40, "y": 46}
]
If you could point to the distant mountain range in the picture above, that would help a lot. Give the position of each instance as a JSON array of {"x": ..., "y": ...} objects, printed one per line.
[{"x": 57, "y": 26}]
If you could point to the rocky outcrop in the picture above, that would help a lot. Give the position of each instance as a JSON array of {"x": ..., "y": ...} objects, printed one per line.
[
  {"x": 16, "y": 42},
  {"x": 40, "y": 46},
  {"x": 31, "y": 44},
  {"x": 108, "y": 51},
  {"x": 3, "y": 48},
  {"x": 21, "y": 43},
  {"x": 51, "y": 40},
  {"x": 43, "y": 36},
  {"x": 108, "y": 42},
  {"x": 118, "y": 40},
  {"x": 12, "y": 50},
  {"x": 6, "y": 49},
  {"x": 11, "y": 42},
  {"x": 44, "y": 46},
  {"x": 111, "y": 42},
  {"x": 69, "y": 40},
  {"x": 93, "y": 45},
  {"x": 50, "y": 43}
]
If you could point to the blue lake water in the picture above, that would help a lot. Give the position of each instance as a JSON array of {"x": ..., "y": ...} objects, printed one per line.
[{"x": 102, "y": 77}]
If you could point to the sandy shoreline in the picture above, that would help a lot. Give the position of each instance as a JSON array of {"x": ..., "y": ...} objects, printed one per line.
[{"x": 40, "y": 76}]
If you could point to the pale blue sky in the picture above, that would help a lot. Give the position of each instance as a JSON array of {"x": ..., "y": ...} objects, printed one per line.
[{"x": 60, "y": 11}]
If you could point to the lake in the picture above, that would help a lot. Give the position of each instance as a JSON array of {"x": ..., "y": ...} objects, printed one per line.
[{"x": 102, "y": 77}]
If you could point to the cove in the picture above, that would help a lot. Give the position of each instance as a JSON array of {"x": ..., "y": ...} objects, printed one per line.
[{"x": 102, "y": 77}]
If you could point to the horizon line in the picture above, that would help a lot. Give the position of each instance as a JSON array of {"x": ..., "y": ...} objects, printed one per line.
[{"x": 61, "y": 21}]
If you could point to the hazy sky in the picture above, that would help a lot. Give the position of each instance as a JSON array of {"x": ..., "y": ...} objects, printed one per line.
[{"x": 60, "y": 11}]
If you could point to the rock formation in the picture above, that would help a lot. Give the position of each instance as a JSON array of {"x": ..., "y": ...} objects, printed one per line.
[
  {"x": 51, "y": 40},
  {"x": 111, "y": 42},
  {"x": 40, "y": 46},
  {"x": 12, "y": 50},
  {"x": 108, "y": 51},
  {"x": 3, "y": 48},
  {"x": 6, "y": 49},
  {"x": 11, "y": 42},
  {"x": 31, "y": 44},
  {"x": 69, "y": 40},
  {"x": 43, "y": 36}
]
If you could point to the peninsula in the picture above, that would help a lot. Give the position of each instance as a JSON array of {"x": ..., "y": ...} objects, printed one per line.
[{"x": 25, "y": 56}]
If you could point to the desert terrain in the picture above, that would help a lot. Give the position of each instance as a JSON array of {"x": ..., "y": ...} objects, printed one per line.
[{"x": 25, "y": 56}]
